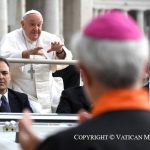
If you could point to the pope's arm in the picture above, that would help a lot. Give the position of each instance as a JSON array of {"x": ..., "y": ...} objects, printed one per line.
[
  {"x": 9, "y": 48},
  {"x": 66, "y": 55},
  {"x": 12, "y": 46}
]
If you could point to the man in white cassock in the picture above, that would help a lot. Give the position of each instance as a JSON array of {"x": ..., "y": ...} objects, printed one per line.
[{"x": 35, "y": 79}]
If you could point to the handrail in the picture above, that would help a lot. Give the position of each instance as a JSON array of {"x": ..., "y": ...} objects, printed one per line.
[{"x": 41, "y": 61}]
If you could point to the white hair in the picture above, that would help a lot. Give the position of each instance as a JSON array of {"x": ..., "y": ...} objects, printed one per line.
[
  {"x": 32, "y": 12},
  {"x": 115, "y": 63}
]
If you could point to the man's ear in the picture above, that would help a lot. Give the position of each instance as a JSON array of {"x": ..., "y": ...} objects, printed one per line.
[
  {"x": 22, "y": 23},
  {"x": 85, "y": 75}
]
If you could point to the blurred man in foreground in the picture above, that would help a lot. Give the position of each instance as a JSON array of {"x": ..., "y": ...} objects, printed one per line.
[{"x": 112, "y": 53}]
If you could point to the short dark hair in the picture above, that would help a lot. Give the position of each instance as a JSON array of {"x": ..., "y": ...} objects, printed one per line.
[{"x": 2, "y": 59}]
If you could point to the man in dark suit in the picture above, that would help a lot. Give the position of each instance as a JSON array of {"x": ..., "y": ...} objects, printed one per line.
[
  {"x": 10, "y": 100},
  {"x": 112, "y": 53},
  {"x": 70, "y": 76},
  {"x": 72, "y": 100}
]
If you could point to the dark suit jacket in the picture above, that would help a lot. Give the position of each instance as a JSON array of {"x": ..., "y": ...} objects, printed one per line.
[
  {"x": 70, "y": 76},
  {"x": 18, "y": 101},
  {"x": 116, "y": 130},
  {"x": 72, "y": 100}
]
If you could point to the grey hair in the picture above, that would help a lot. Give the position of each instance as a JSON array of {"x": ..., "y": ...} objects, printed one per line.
[{"x": 117, "y": 64}]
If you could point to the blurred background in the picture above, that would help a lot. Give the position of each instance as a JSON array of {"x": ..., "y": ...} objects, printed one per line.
[{"x": 65, "y": 17}]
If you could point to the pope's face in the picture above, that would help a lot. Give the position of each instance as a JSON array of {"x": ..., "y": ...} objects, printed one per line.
[
  {"x": 4, "y": 77},
  {"x": 32, "y": 25}
]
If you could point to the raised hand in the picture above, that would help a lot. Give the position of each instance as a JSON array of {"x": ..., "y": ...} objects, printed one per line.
[
  {"x": 33, "y": 51},
  {"x": 27, "y": 138},
  {"x": 84, "y": 115},
  {"x": 56, "y": 46}
]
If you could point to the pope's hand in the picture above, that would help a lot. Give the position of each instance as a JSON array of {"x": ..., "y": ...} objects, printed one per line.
[
  {"x": 36, "y": 51},
  {"x": 33, "y": 51},
  {"x": 55, "y": 46}
]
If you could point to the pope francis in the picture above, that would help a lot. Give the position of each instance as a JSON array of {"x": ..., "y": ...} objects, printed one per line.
[{"x": 35, "y": 79}]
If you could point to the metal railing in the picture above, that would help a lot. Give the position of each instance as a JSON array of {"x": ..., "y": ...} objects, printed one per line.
[{"x": 41, "y": 61}]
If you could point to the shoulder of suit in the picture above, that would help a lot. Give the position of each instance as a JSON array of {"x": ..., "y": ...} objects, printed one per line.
[
  {"x": 16, "y": 92},
  {"x": 72, "y": 89}
]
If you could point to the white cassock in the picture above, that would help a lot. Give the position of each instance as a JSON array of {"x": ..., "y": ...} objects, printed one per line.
[{"x": 43, "y": 91}]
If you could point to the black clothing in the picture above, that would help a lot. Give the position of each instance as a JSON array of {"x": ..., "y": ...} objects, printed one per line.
[
  {"x": 18, "y": 101},
  {"x": 70, "y": 76},
  {"x": 72, "y": 100},
  {"x": 115, "y": 130}
]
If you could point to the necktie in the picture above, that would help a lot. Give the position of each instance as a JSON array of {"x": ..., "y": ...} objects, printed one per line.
[{"x": 4, "y": 105}]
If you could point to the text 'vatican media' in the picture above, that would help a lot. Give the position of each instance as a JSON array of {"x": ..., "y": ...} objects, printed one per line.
[{"x": 120, "y": 137}]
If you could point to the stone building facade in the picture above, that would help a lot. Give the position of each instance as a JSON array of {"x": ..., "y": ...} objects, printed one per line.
[{"x": 65, "y": 17}]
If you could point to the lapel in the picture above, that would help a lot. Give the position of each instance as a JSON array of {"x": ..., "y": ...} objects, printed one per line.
[{"x": 12, "y": 100}]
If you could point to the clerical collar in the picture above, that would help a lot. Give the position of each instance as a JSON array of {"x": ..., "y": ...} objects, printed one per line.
[
  {"x": 27, "y": 39},
  {"x": 128, "y": 99}
]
